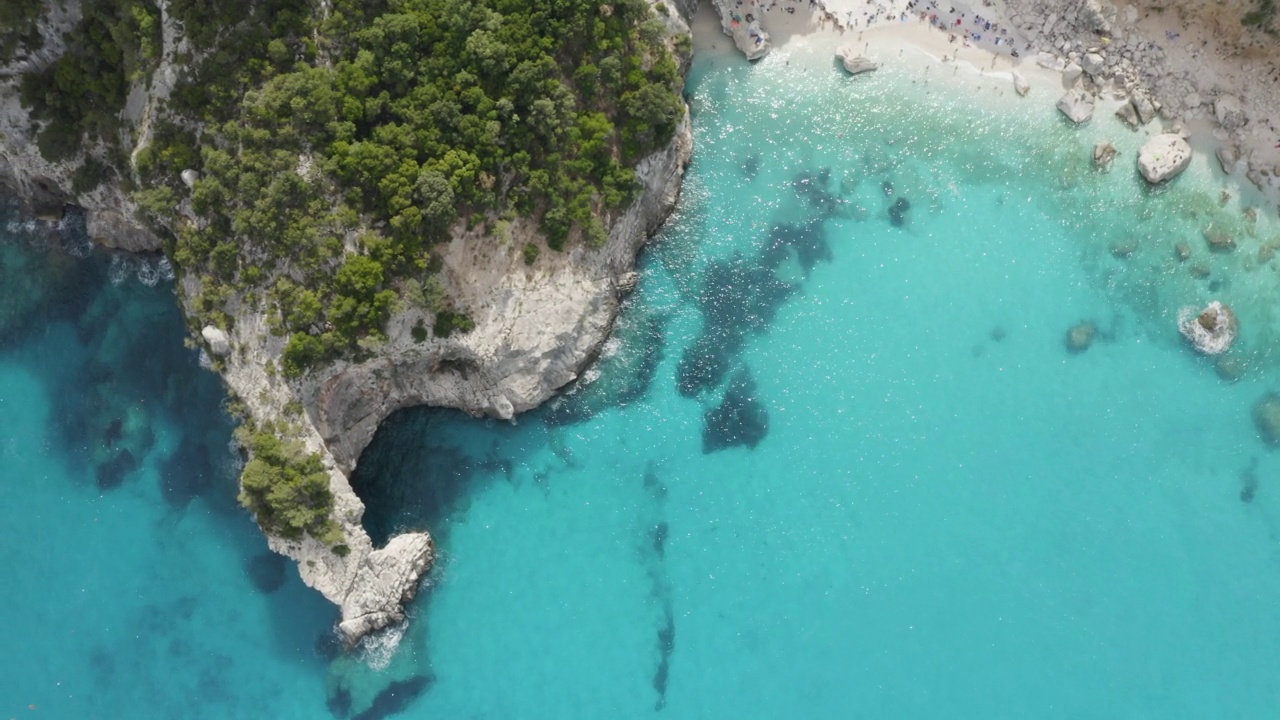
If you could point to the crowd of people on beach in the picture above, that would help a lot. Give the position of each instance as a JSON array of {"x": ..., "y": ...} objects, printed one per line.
[{"x": 960, "y": 26}]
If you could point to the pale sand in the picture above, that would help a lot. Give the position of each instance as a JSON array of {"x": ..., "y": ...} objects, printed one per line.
[{"x": 878, "y": 31}]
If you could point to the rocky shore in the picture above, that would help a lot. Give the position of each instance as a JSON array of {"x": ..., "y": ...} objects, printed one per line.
[
  {"x": 536, "y": 329},
  {"x": 1194, "y": 62}
]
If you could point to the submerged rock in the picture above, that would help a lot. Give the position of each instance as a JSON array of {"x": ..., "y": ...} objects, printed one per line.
[
  {"x": 1218, "y": 240},
  {"x": 1230, "y": 367},
  {"x": 854, "y": 63},
  {"x": 898, "y": 211},
  {"x": 1211, "y": 330},
  {"x": 1182, "y": 250},
  {"x": 741, "y": 419},
  {"x": 1103, "y": 154},
  {"x": 1163, "y": 157},
  {"x": 1125, "y": 247},
  {"x": 1080, "y": 337},
  {"x": 1266, "y": 416}
]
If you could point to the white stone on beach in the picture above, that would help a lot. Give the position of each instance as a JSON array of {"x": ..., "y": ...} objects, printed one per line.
[
  {"x": 1092, "y": 63},
  {"x": 219, "y": 343},
  {"x": 1077, "y": 105},
  {"x": 1228, "y": 112},
  {"x": 1228, "y": 156},
  {"x": 1163, "y": 157},
  {"x": 1145, "y": 107},
  {"x": 1071, "y": 73},
  {"x": 1050, "y": 61},
  {"x": 1128, "y": 115},
  {"x": 1020, "y": 84},
  {"x": 853, "y": 62}
]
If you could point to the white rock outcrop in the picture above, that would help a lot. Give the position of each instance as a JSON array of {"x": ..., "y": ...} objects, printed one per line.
[
  {"x": 1163, "y": 157},
  {"x": 1077, "y": 105},
  {"x": 1020, "y": 84},
  {"x": 853, "y": 62},
  {"x": 217, "y": 340}
]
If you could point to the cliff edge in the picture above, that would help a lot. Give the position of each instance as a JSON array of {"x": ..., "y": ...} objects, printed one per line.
[{"x": 537, "y": 322}]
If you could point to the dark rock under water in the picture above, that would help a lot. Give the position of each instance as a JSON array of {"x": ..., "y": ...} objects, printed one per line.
[
  {"x": 112, "y": 473},
  {"x": 268, "y": 571},
  {"x": 666, "y": 648},
  {"x": 408, "y": 479},
  {"x": 740, "y": 420},
  {"x": 625, "y": 376},
  {"x": 898, "y": 212},
  {"x": 396, "y": 697}
]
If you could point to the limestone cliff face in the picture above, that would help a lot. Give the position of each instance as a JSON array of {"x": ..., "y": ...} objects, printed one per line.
[
  {"x": 536, "y": 329},
  {"x": 46, "y": 187}
]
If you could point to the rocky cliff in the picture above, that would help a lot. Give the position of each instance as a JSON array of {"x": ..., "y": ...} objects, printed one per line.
[{"x": 536, "y": 329}]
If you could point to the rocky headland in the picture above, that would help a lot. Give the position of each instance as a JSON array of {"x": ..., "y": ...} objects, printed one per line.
[{"x": 537, "y": 325}]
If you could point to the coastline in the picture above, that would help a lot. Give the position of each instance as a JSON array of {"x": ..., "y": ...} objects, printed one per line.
[{"x": 1229, "y": 119}]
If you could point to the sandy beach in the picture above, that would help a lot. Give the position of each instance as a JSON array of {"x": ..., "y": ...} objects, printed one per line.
[{"x": 1219, "y": 89}]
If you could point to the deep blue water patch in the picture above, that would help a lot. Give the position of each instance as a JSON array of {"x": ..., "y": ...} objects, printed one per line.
[
  {"x": 118, "y": 490},
  {"x": 408, "y": 482}
]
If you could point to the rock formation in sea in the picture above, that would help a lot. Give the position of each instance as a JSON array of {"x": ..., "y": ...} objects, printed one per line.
[
  {"x": 536, "y": 329},
  {"x": 1210, "y": 330},
  {"x": 1164, "y": 157},
  {"x": 1103, "y": 154},
  {"x": 853, "y": 61},
  {"x": 1266, "y": 416},
  {"x": 1080, "y": 337},
  {"x": 1077, "y": 104}
]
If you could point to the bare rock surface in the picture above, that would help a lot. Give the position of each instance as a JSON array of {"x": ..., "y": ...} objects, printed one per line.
[
  {"x": 1164, "y": 157},
  {"x": 1077, "y": 105},
  {"x": 855, "y": 63}
]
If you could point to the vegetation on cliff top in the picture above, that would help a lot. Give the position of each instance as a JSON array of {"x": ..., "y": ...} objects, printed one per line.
[
  {"x": 287, "y": 489},
  {"x": 335, "y": 150}
]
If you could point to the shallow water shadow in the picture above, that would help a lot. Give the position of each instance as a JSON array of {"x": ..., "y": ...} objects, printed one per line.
[
  {"x": 411, "y": 479},
  {"x": 621, "y": 378},
  {"x": 740, "y": 419},
  {"x": 396, "y": 697}
]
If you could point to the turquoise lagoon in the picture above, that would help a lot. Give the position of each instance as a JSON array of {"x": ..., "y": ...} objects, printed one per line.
[{"x": 836, "y": 462}]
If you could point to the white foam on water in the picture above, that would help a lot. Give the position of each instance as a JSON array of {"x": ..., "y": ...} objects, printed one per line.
[
  {"x": 148, "y": 273},
  {"x": 120, "y": 268},
  {"x": 378, "y": 649}
]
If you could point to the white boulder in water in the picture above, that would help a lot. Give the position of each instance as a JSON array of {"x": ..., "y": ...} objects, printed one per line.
[
  {"x": 1020, "y": 84},
  {"x": 219, "y": 343},
  {"x": 1163, "y": 157},
  {"x": 1076, "y": 105},
  {"x": 853, "y": 62},
  {"x": 1211, "y": 330}
]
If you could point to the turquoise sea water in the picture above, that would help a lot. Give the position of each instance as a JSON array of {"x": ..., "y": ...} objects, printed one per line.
[{"x": 837, "y": 461}]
